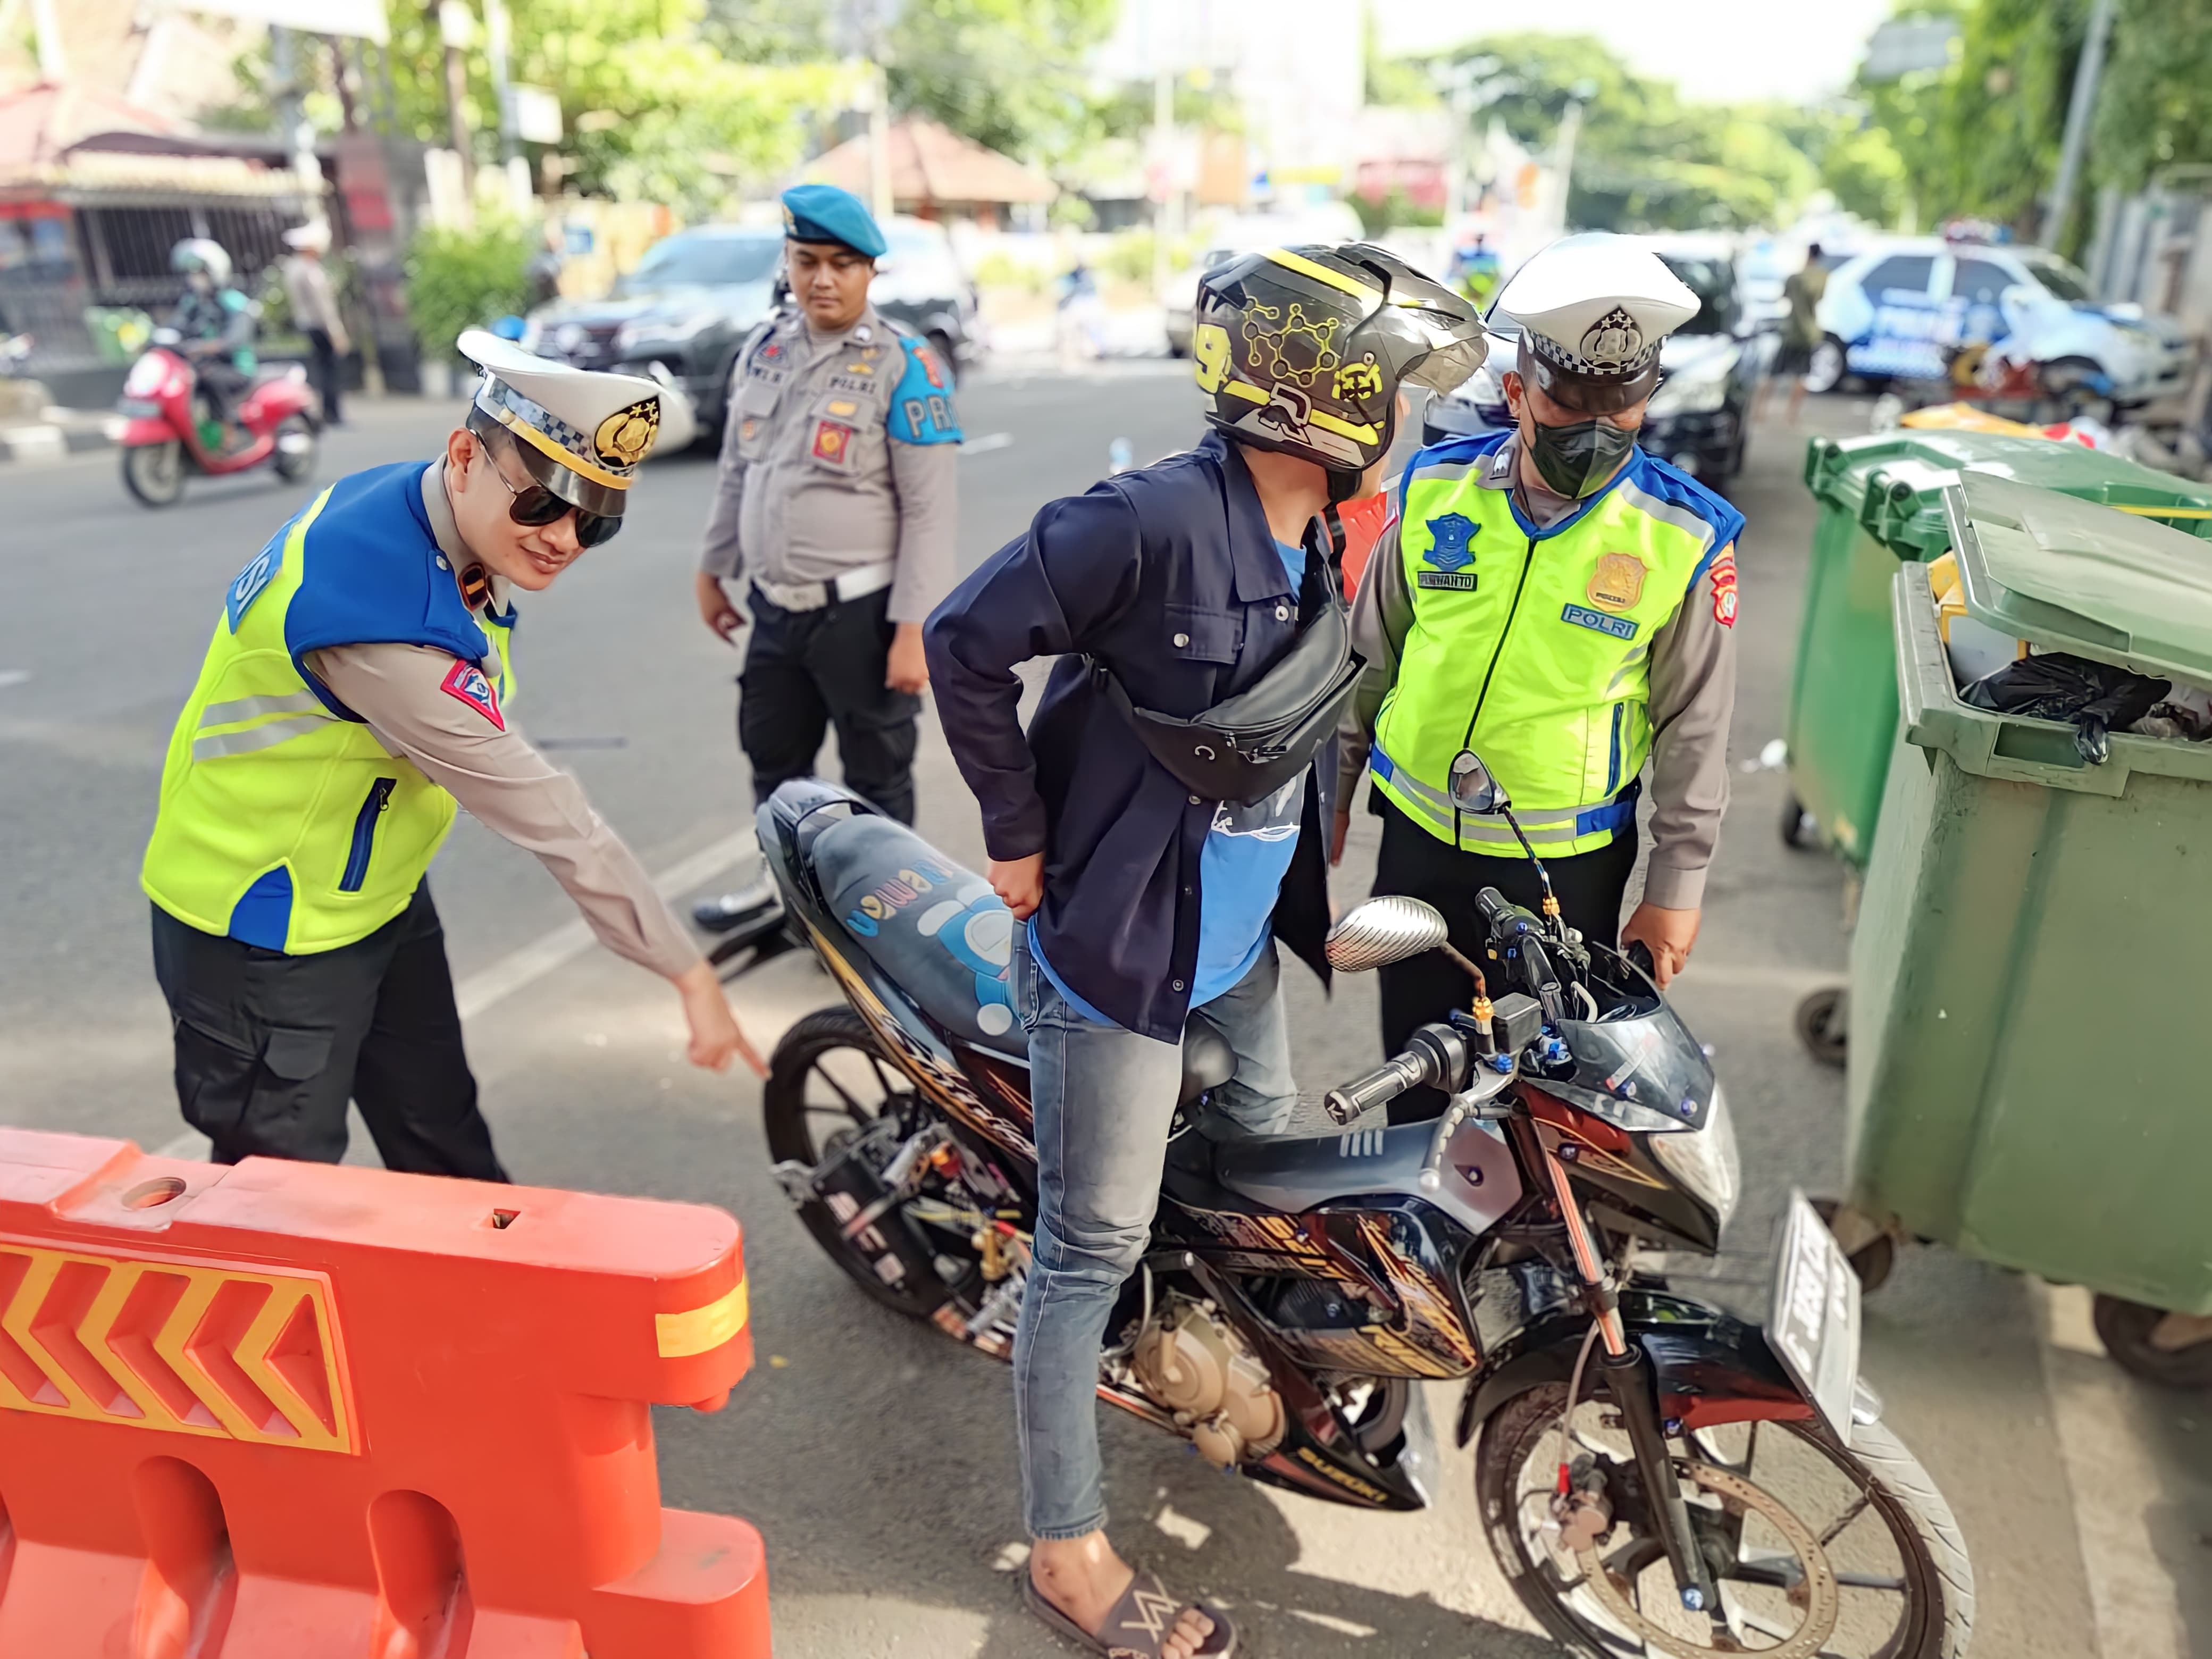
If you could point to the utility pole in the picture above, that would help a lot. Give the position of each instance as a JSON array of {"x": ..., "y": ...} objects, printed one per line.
[
  {"x": 1164, "y": 160},
  {"x": 880, "y": 202},
  {"x": 2087, "y": 74},
  {"x": 498, "y": 42},
  {"x": 455, "y": 28},
  {"x": 53, "y": 62}
]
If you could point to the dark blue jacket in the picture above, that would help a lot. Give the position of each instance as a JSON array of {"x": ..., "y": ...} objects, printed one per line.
[{"x": 1169, "y": 575}]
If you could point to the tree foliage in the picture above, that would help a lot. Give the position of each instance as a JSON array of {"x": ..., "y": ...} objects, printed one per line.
[
  {"x": 1007, "y": 73},
  {"x": 1645, "y": 159}
]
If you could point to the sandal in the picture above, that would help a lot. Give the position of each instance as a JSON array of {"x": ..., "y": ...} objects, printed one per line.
[{"x": 1144, "y": 1616}]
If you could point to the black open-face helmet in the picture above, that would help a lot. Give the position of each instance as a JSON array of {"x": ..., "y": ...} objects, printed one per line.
[{"x": 1302, "y": 349}]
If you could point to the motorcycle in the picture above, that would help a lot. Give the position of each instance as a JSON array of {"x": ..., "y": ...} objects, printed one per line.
[
  {"x": 166, "y": 436},
  {"x": 1655, "y": 1476}
]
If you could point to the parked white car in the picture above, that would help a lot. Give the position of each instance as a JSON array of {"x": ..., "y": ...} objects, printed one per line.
[{"x": 1893, "y": 312}]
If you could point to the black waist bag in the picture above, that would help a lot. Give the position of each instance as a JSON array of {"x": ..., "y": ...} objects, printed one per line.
[{"x": 1246, "y": 747}]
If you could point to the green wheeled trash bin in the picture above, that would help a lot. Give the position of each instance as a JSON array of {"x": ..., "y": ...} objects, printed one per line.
[
  {"x": 2028, "y": 1071},
  {"x": 1880, "y": 501}
]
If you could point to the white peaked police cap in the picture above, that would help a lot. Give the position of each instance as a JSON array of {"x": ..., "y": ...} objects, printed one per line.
[
  {"x": 1593, "y": 310},
  {"x": 583, "y": 433}
]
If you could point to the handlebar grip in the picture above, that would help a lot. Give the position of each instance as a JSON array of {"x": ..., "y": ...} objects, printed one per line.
[
  {"x": 1639, "y": 958},
  {"x": 1385, "y": 1083}
]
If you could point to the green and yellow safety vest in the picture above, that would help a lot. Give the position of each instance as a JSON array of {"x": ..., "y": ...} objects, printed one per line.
[
  {"x": 1533, "y": 648},
  {"x": 284, "y": 822}
]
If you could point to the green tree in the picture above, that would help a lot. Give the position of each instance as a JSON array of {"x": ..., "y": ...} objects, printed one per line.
[
  {"x": 2154, "y": 108},
  {"x": 1007, "y": 73}
]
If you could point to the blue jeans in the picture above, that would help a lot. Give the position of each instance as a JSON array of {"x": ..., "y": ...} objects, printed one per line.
[{"x": 1104, "y": 1099}]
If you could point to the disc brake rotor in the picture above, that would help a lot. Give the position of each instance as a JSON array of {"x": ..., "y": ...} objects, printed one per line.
[{"x": 1816, "y": 1594}]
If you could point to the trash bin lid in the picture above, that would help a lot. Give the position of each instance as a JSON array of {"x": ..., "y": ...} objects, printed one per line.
[
  {"x": 2068, "y": 574},
  {"x": 1893, "y": 482}
]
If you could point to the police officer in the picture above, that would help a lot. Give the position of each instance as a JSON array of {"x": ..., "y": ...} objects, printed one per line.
[
  {"x": 358, "y": 687},
  {"x": 1563, "y": 604},
  {"x": 835, "y": 502}
]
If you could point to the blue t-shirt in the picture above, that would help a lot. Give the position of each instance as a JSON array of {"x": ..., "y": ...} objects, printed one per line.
[{"x": 1240, "y": 873}]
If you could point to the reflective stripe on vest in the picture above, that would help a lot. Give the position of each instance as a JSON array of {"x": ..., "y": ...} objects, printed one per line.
[
  {"x": 283, "y": 823},
  {"x": 1532, "y": 648}
]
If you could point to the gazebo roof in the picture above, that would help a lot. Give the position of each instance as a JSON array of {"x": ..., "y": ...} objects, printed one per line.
[
  {"x": 932, "y": 163},
  {"x": 40, "y": 124}
]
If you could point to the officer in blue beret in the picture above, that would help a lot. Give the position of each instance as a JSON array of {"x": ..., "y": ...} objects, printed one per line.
[{"x": 833, "y": 520}]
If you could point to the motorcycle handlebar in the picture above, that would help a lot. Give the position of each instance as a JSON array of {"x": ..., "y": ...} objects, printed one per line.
[{"x": 1436, "y": 1059}]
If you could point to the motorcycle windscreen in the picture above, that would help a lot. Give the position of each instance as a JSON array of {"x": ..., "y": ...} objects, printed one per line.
[{"x": 1639, "y": 1071}]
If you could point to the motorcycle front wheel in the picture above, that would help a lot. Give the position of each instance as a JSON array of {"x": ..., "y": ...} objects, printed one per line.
[
  {"x": 296, "y": 446},
  {"x": 155, "y": 473},
  {"x": 1818, "y": 1551}
]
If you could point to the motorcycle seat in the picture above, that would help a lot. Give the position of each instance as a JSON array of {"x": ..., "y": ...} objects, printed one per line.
[{"x": 934, "y": 926}]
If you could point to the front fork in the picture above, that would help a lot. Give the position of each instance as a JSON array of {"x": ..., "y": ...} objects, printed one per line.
[{"x": 1629, "y": 1383}]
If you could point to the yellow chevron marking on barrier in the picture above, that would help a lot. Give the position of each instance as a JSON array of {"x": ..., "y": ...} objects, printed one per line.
[{"x": 236, "y": 1354}]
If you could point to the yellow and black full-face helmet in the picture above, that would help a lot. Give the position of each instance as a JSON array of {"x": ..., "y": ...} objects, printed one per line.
[{"x": 1302, "y": 349}]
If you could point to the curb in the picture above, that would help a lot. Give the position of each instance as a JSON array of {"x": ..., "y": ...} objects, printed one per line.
[{"x": 49, "y": 441}]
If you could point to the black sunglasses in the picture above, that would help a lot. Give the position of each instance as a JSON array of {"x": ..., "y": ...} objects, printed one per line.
[{"x": 536, "y": 506}]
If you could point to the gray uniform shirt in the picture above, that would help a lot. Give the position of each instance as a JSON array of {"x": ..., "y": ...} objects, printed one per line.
[
  {"x": 841, "y": 451},
  {"x": 493, "y": 771},
  {"x": 1693, "y": 670}
]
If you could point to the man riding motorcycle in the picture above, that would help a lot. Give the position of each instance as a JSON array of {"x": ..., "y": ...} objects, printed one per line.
[
  {"x": 217, "y": 323},
  {"x": 1148, "y": 895}
]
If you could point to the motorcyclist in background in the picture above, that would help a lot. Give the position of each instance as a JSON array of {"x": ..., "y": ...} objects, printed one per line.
[{"x": 216, "y": 324}]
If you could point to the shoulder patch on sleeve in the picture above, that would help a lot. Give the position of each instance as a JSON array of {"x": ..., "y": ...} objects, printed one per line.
[
  {"x": 467, "y": 683},
  {"x": 1721, "y": 575},
  {"x": 922, "y": 403}
]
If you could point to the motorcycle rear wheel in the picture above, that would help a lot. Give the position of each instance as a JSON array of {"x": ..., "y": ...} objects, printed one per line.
[
  {"x": 827, "y": 1080},
  {"x": 155, "y": 473},
  {"x": 1892, "y": 1563},
  {"x": 298, "y": 463}
]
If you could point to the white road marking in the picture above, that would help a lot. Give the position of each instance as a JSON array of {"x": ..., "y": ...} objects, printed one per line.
[
  {"x": 2116, "y": 1485},
  {"x": 489, "y": 986},
  {"x": 13, "y": 677},
  {"x": 984, "y": 444}
]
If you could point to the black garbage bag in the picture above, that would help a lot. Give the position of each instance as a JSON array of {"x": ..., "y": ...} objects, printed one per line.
[{"x": 2092, "y": 697}]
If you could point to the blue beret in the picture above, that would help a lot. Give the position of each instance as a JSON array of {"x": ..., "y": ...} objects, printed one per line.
[{"x": 823, "y": 213}]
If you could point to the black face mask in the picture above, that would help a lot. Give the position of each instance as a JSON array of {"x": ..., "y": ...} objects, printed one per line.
[{"x": 1576, "y": 460}]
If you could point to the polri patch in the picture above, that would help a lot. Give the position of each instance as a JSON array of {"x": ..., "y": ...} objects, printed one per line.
[
  {"x": 1582, "y": 617},
  {"x": 248, "y": 584},
  {"x": 468, "y": 682},
  {"x": 1459, "y": 581}
]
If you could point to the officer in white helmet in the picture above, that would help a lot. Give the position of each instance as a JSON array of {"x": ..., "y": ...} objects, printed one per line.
[
  {"x": 360, "y": 687},
  {"x": 1561, "y": 603}
]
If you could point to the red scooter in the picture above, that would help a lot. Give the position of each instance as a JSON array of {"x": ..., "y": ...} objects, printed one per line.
[{"x": 277, "y": 421}]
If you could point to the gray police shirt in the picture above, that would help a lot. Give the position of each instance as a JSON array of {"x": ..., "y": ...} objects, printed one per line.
[{"x": 841, "y": 451}]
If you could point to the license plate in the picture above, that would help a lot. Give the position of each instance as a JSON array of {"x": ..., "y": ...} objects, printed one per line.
[
  {"x": 138, "y": 408},
  {"x": 1813, "y": 1323}
]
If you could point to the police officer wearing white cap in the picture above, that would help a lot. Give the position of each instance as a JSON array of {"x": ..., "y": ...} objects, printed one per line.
[
  {"x": 359, "y": 687},
  {"x": 1561, "y": 603}
]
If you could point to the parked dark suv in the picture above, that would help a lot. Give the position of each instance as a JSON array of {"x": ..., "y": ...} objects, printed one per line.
[
  {"x": 689, "y": 304},
  {"x": 695, "y": 295}
]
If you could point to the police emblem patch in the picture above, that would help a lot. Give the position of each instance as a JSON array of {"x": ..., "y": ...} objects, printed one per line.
[
  {"x": 1723, "y": 580},
  {"x": 467, "y": 683},
  {"x": 1612, "y": 340},
  {"x": 1451, "y": 534},
  {"x": 832, "y": 441},
  {"x": 1617, "y": 583},
  {"x": 624, "y": 436}
]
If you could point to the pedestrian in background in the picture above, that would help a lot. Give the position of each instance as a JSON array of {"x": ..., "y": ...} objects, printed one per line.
[
  {"x": 836, "y": 505},
  {"x": 315, "y": 312},
  {"x": 1802, "y": 292},
  {"x": 357, "y": 688}
]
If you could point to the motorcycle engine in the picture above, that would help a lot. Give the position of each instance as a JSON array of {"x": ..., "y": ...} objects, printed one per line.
[{"x": 1193, "y": 1362}]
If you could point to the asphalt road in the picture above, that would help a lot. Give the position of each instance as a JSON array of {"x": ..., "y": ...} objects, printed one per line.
[{"x": 875, "y": 1458}]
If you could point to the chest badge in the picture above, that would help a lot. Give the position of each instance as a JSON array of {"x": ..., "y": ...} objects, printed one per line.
[
  {"x": 831, "y": 440},
  {"x": 1451, "y": 534},
  {"x": 1617, "y": 583}
]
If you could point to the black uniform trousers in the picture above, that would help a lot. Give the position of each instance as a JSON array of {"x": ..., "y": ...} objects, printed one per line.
[
  {"x": 269, "y": 1047},
  {"x": 1590, "y": 886},
  {"x": 808, "y": 670},
  {"x": 325, "y": 373}
]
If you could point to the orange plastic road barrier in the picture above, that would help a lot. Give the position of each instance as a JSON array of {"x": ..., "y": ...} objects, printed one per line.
[{"x": 296, "y": 1411}]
